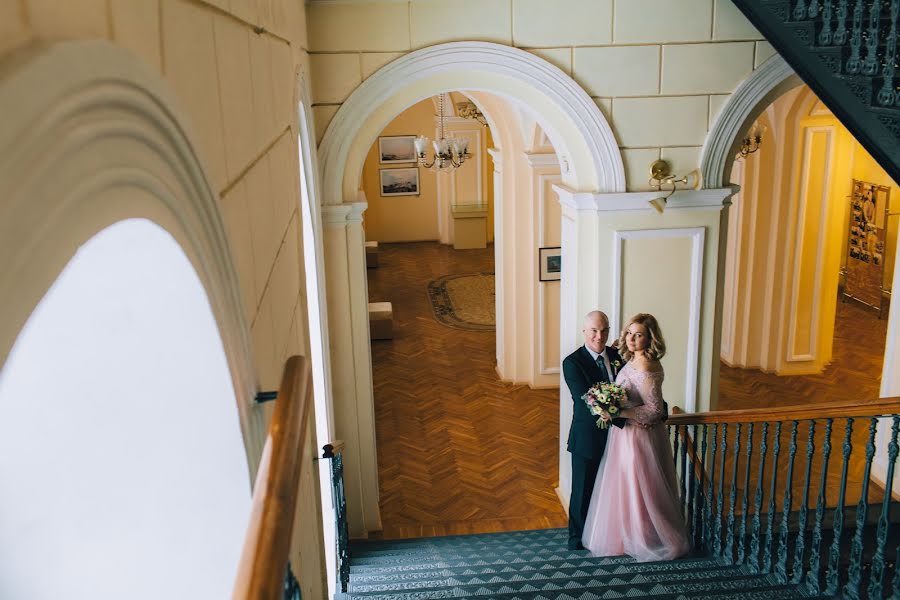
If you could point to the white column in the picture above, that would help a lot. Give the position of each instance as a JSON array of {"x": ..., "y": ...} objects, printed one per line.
[
  {"x": 499, "y": 296},
  {"x": 351, "y": 362}
]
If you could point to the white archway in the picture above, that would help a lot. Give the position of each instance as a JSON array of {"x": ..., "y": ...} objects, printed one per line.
[
  {"x": 751, "y": 98},
  {"x": 97, "y": 138},
  {"x": 572, "y": 120}
]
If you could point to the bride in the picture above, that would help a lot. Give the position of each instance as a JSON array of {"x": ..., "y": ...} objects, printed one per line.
[{"x": 635, "y": 508}]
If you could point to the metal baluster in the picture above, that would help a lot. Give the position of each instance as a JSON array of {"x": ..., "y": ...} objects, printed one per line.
[
  {"x": 876, "y": 579},
  {"x": 781, "y": 566},
  {"x": 799, "y": 10},
  {"x": 291, "y": 587},
  {"x": 804, "y": 512},
  {"x": 745, "y": 502},
  {"x": 814, "y": 575},
  {"x": 833, "y": 577},
  {"x": 757, "y": 502},
  {"x": 896, "y": 584},
  {"x": 825, "y": 35},
  {"x": 732, "y": 497},
  {"x": 675, "y": 459},
  {"x": 705, "y": 514},
  {"x": 685, "y": 473},
  {"x": 854, "y": 576},
  {"x": 887, "y": 95},
  {"x": 813, "y": 10},
  {"x": 708, "y": 513},
  {"x": 770, "y": 513},
  {"x": 720, "y": 498},
  {"x": 870, "y": 64},
  {"x": 840, "y": 34},
  {"x": 696, "y": 483},
  {"x": 853, "y": 63}
]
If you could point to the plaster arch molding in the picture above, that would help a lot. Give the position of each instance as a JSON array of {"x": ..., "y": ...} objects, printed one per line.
[
  {"x": 98, "y": 138},
  {"x": 573, "y": 122}
]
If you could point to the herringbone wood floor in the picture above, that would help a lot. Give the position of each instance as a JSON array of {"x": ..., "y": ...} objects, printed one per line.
[
  {"x": 461, "y": 452},
  {"x": 458, "y": 451}
]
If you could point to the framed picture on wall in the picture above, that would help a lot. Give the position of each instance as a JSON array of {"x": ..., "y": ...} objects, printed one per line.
[
  {"x": 550, "y": 263},
  {"x": 396, "y": 149},
  {"x": 400, "y": 182}
]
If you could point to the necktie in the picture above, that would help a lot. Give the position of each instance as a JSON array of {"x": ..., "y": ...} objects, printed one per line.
[{"x": 601, "y": 364}]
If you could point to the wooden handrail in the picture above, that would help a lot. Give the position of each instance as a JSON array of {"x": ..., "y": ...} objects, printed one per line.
[
  {"x": 332, "y": 448},
  {"x": 267, "y": 545},
  {"x": 885, "y": 406}
]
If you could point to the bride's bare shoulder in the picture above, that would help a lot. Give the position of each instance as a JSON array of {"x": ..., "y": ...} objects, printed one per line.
[{"x": 647, "y": 366}]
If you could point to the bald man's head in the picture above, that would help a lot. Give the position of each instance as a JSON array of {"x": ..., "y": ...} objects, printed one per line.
[{"x": 596, "y": 330}]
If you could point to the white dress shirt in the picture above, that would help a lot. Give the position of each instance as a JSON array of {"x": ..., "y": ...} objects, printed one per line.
[{"x": 594, "y": 355}]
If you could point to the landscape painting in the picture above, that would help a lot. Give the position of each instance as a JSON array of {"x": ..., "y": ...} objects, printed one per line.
[
  {"x": 400, "y": 182},
  {"x": 397, "y": 149}
]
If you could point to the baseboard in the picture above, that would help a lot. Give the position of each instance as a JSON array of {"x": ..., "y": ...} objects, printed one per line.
[{"x": 563, "y": 496}]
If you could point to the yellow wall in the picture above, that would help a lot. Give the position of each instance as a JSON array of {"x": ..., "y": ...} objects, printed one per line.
[
  {"x": 402, "y": 218},
  {"x": 866, "y": 169}
]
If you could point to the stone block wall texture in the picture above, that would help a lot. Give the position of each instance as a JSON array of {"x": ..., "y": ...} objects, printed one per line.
[{"x": 660, "y": 70}]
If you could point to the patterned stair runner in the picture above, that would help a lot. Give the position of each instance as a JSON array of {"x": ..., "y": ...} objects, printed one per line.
[{"x": 533, "y": 565}]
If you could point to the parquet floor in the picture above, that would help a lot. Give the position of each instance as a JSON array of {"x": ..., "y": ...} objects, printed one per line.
[{"x": 460, "y": 452}]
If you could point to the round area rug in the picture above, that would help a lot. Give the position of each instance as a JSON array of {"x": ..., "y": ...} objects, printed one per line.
[{"x": 464, "y": 301}]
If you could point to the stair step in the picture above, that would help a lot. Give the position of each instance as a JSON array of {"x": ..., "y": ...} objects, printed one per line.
[
  {"x": 523, "y": 561},
  {"x": 585, "y": 577},
  {"x": 689, "y": 585},
  {"x": 480, "y": 540}
]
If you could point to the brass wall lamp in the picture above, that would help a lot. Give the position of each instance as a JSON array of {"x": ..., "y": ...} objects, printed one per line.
[{"x": 661, "y": 175}]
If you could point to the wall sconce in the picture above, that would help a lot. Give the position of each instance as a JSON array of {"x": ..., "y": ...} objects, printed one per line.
[
  {"x": 661, "y": 175},
  {"x": 468, "y": 110},
  {"x": 751, "y": 143}
]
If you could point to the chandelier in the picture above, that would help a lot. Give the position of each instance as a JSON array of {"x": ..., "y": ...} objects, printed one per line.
[
  {"x": 752, "y": 141},
  {"x": 449, "y": 153}
]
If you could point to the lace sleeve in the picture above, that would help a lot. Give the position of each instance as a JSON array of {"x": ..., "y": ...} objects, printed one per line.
[{"x": 649, "y": 385}]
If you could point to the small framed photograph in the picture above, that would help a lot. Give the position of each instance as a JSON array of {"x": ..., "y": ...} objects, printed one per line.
[
  {"x": 396, "y": 149},
  {"x": 550, "y": 263},
  {"x": 400, "y": 182}
]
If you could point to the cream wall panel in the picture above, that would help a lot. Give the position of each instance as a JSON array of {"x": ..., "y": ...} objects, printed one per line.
[
  {"x": 285, "y": 180},
  {"x": 358, "y": 27},
  {"x": 435, "y": 22},
  {"x": 262, "y": 224},
  {"x": 683, "y": 159},
  {"x": 334, "y": 76},
  {"x": 618, "y": 71},
  {"x": 247, "y": 10},
  {"x": 12, "y": 26},
  {"x": 731, "y": 24},
  {"x": 372, "y": 61},
  {"x": 285, "y": 287},
  {"x": 561, "y": 22},
  {"x": 190, "y": 63},
  {"x": 716, "y": 102},
  {"x": 705, "y": 68},
  {"x": 262, "y": 332},
  {"x": 637, "y": 167},
  {"x": 265, "y": 124},
  {"x": 561, "y": 57},
  {"x": 552, "y": 357},
  {"x": 135, "y": 25},
  {"x": 658, "y": 278},
  {"x": 322, "y": 116},
  {"x": 764, "y": 51},
  {"x": 284, "y": 82},
  {"x": 662, "y": 21},
  {"x": 605, "y": 105},
  {"x": 666, "y": 121},
  {"x": 55, "y": 19},
  {"x": 233, "y": 58},
  {"x": 236, "y": 217}
]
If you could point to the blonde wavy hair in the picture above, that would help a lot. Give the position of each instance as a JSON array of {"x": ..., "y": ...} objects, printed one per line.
[{"x": 657, "y": 347}]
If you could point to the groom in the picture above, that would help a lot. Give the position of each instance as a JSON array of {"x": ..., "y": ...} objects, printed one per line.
[{"x": 592, "y": 363}]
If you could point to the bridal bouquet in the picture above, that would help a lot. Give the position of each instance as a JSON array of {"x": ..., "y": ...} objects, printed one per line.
[{"x": 606, "y": 396}]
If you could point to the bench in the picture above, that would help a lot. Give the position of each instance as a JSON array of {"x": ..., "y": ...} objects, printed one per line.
[
  {"x": 381, "y": 321},
  {"x": 371, "y": 255}
]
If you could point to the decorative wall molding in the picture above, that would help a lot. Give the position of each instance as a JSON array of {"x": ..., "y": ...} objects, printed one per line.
[
  {"x": 748, "y": 101},
  {"x": 698, "y": 238},
  {"x": 542, "y": 180},
  {"x": 542, "y": 159},
  {"x": 639, "y": 201},
  {"x": 79, "y": 107},
  {"x": 341, "y": 215},
  {"x": 429, "y": 71}
]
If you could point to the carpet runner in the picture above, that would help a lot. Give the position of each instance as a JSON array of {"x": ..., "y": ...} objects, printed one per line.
[{"x": 535, "y": 565}]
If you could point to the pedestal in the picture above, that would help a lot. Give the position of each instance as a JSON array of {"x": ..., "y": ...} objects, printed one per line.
[{"x": 469, "y": 225}]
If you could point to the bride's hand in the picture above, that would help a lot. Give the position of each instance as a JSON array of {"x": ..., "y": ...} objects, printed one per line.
[{"x": 605, "y": 415}]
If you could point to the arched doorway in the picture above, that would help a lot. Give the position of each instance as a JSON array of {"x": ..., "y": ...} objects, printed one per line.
[{"x": 589, "y": 161}]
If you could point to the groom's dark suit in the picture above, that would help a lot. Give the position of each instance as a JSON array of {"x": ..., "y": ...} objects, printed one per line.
[{"x": 586, "y": 441}]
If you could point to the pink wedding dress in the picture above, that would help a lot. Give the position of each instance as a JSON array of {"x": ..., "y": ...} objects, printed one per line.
[{"x": 635, "y": 508}]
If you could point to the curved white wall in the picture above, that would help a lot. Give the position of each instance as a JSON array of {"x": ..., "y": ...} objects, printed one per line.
[{"x": 123, "y": 465}]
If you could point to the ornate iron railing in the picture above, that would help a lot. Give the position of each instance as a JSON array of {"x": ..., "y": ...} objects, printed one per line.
[
  {"x": 846, "y": 51},
  {"x": 291, "y": 586},
  {"x": 333, "y": 451},
  {"x": 845, "y": 542}
]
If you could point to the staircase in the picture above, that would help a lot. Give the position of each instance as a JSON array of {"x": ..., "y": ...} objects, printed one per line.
[
  {"x": 536, "y": 565},
  {"x": 846, "y": 51}
]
